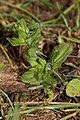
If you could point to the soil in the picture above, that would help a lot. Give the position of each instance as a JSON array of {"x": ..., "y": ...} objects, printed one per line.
[{"x": 10, "y": 76}]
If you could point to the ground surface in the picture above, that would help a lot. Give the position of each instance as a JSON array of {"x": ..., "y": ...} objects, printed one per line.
[{"x": 11, "y": 75}]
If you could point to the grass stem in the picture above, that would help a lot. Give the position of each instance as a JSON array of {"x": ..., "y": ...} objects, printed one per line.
[
  {"x": 8, "y": 58},
  {"x": 19, "y": 8}
]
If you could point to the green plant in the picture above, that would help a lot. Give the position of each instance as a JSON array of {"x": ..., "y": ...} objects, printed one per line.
[
  {"x": 41, "y": 71},
  {"x": 73, "y": 88},
  {"x": 13, "y": 112},
  {"x": 1, "y": 67}
]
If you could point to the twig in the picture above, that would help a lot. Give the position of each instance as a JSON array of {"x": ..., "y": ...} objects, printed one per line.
[
  {"x": 8, "y": 58},
  {"x": 46, "y": 103},
  {"x": 42, "y": 102},
  {"x": 69, "y": 116},
  {"x": 7, "y": 98},
  {"x": 58, "y": 76}
]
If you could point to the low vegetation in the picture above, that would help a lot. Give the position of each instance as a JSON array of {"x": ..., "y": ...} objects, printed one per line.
[{"x": 44, "y": 54}]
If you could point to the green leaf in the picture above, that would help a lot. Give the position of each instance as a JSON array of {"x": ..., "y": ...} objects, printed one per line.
[
  {"x": 60, "y": 54},
  {"x": 40, "y": 74},
  {"x": 21, "y": 26},
  {"x": 23, "y": 37},
  {"x": 50, "y": 94},
  {"x": 1, "y": 67},
  {"x": 41, "y": 62},
  {"x": 22, "y": 34},
  {"x": 32, "y": 61},
  {"x": 75, "y": 40},
  {"x": 34, "y": 25},
  {"x": 73, "y": 88},
  {"x": 32, "y": 51},
  {"x": 9, "y": 113},
  {"x": 37, "y": 61},
  {"x": 28, "y": 77},
  {"x": 33, "y": 76},
  {"x": 16, "y": 41},
  {"x": 16, "y": 112},
  {"x": 49, "y": 80},
  {"x": 35, "y": 87},
  {"x": 35, "y": 37}
]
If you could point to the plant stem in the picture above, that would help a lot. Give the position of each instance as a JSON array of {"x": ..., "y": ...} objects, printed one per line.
[
  {"x": 9, "y": 60},
  {"x": 7, "y": 98},
  {"x": 69, "y": 116},
  {"x": 59, "y": 18}
]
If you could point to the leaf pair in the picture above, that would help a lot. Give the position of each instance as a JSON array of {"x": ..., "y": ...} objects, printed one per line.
[
  {"x": 40, "y": 67},
  {"x": 35, "y": 74},
  {"x": 60, "y": 55},
  {"x": 24, "y": 34}
]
